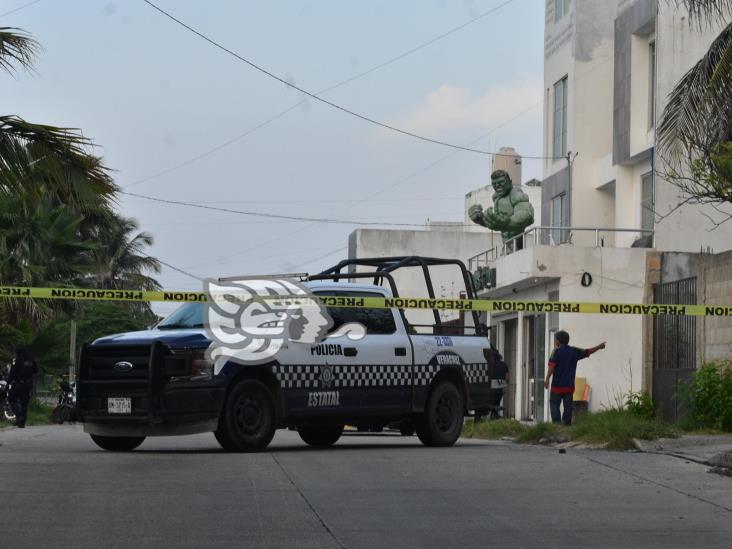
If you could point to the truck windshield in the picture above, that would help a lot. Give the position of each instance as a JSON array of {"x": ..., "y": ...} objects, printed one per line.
[{"x": 189, "y": 315}]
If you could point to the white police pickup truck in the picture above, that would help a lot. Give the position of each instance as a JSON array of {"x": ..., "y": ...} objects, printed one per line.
[{"x": 160, "y": 381}]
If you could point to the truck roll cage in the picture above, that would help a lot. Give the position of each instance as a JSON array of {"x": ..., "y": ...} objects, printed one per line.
[{"x": 385, "y": 266}]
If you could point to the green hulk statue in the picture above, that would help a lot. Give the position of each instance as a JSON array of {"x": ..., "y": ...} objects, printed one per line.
[{"x": 511, "y": 213}]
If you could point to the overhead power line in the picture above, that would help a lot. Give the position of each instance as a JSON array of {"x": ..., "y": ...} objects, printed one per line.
[
  {"x": 332, "y": 201},
  {"x": 29, "y": 4},
  {"x": 176, "y": 268},
  {"x": 388, "y": 187},
  {"x": 271, "y": 215},
  {"x": 327, "y": 102},
  {"x": 324, "y": 90},
  {"x": 307, "y": 262}
]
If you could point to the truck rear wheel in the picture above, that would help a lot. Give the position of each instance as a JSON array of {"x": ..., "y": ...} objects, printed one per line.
[
  {"x": 320, "y": 435},
  {"x": 248, "y": 421},
  {"x": 442, "y": 420},
  {"x": 117, "y": 444}
]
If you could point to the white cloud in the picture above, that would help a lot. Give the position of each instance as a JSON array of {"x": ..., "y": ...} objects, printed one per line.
[{"x": 450, "y": 108}]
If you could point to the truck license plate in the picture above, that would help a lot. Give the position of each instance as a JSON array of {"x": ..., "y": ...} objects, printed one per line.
[{"x": 119, "y": 405}]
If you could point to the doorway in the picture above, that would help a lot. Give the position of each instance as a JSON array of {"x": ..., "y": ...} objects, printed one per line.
[
  {"x": 534, "y": 361},
  {"x": 510, "y": 333}
]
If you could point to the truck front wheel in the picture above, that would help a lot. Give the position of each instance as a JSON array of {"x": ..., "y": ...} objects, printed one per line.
[
  {"x": 117, "y": 444},
  {"x": 442, "y": 420},
  {"x": 248, "y": 421},
  {"x": 320, "y": 435}
]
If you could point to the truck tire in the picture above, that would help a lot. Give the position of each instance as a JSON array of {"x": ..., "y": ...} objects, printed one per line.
[
  {"x": 117, "y": 444},
  {"x": 248, "y": 420},
  {"x": 320, "y": 436},
  {"x": 442, "y": 420}
]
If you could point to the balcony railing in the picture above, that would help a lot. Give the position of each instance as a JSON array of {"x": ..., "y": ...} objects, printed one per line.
[
  {"x": 483, "y": 259},
  {"x": 554, "y": 236}
]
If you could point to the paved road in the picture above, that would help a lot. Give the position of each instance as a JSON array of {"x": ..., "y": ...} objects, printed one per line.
[{"x": 58, "y": 490}]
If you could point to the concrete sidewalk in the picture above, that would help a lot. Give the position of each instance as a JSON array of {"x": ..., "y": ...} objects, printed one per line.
[{"x": 713, "y": 450}]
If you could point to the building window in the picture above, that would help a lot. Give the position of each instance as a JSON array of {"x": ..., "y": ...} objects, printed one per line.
[
  {"x": 651, "y": 84},
  {"x": 558, "y": 210},
  {"x": 560, "y": 119},
  {"x": 648, "y": 206},
  {"x": 561, "y": 8}
]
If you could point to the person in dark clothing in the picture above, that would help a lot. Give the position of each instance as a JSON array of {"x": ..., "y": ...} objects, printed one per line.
[
  {"x": 20, "y": 380},
  {"x": 499, "y": 371},
  {"x": 562, "y": 370}
]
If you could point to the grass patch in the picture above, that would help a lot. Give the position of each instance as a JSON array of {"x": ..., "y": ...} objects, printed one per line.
[
  {"x": 39, "y": 413},
  {"x": 618, "y": 428},
  {"x": 496, "y": 429},
  {"x": 615, "y": 429},
  {"x": 534, "y": 433}
]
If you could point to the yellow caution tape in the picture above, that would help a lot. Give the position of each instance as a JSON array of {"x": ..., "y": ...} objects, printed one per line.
[{"x": 489, "y": 305}]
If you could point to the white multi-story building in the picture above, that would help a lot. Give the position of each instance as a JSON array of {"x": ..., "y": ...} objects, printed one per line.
[
  {"x": 609, "y": 66},
  {"x": 607, "y": 227}
]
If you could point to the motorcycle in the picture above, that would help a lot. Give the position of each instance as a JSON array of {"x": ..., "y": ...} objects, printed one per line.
[
  {"x": 6, "y": 411},
  {"x": 65, "y": 410}
]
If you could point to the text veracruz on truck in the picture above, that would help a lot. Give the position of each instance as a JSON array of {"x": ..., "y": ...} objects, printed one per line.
[
  {"x": 447, "y": 359},
  {"x": 324, "y": 398}
]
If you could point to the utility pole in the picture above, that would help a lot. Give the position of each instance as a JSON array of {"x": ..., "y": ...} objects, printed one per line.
[{"x": 72, "y": 350}]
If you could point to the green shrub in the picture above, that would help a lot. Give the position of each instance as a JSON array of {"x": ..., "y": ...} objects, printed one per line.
[
  {"x": 640, "y": 404},
  {"x": 39, "y": 413},
  {"x": 709, "y": 397}
]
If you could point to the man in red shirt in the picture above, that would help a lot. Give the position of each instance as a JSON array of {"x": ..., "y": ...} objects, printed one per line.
[{"x": 562, "y": 369}]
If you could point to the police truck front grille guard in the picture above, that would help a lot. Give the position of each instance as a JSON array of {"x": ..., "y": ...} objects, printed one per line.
[{"x": 153, "y": 382}]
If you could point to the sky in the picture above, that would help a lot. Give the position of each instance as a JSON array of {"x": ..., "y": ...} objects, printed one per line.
[{"x": 155, "y": 98}]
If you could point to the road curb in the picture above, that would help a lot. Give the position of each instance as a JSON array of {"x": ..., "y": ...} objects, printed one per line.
[{"x": 722, "y": 460}]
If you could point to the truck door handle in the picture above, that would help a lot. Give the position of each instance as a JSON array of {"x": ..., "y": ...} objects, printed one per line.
[
  {"x": 400, "y": 351},
  {"x": 350, "y": 351}
]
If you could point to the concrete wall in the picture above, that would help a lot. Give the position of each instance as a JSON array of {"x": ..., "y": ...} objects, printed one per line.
[
  {"x": 717, "y": 286},
  {"x": 714, "y": 287},
  {"x": 586, "y": 57},
  {"x": 618, "y": 276},
  {"x": 679, "y": 46},
  {"x": 635, "y": 19},
  {"x": 446, "y": 280},
  {"x": 603, "y": 48}
]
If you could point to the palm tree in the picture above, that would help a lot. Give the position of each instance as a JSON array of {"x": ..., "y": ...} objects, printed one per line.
[
  {"x": 121, "y": 261},
  {"x": 39, "y": 160},
  {"x": 57, "y": 223},
  {"x": 16, "y": 46},
  {"x": 698, "y": 115},
  {"x": 40, "y": 245}
]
